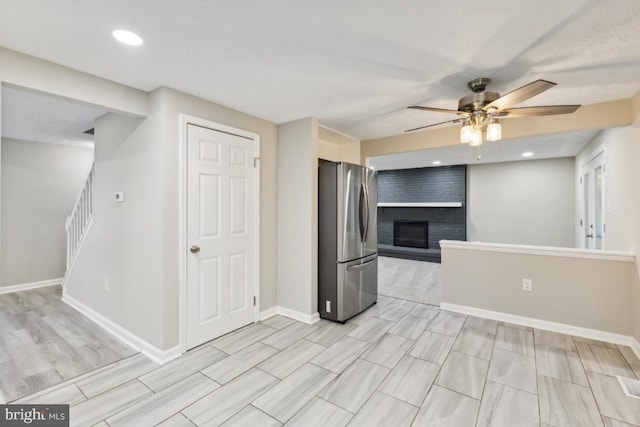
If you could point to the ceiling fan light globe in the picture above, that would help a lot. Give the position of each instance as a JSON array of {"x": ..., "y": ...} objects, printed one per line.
[
  {"x": 476, "y": 138},
  {"x": 494, "y": 132},
  {"x": 465, "y": 134}
]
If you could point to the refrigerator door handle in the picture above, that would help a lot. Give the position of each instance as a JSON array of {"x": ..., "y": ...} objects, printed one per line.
[
  {"x": 366, "y": 215},
  {"x": 359, "y": 266},
  {"x": 361, "y": 213}
]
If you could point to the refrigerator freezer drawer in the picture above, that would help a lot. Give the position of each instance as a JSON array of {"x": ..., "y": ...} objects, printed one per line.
[
  {"x": 357, "y": 289},
  {"x": 359, "y": 286}
]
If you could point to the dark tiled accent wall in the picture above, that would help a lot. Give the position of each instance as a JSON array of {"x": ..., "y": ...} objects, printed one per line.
[{"x": 441, "y": 184}]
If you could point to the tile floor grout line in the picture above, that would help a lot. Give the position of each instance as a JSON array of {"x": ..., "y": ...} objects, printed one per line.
[
  {"x": 328, "y": 401},
  {"x": 433, "y": 383},
  {"x": 448, "y": 353},
  {"x": 258, "y": 409},
  {"x": 535, "y": 361},
  {"x": 588, "y": 382},
  {"x": 484, "y": 386}
]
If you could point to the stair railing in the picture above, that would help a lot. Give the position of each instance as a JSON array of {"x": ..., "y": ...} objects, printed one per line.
[{"x": 80, "y": 219}]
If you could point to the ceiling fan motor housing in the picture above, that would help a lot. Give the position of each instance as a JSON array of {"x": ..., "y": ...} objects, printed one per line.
[
  {"x": 476, "y": 101},
  {"x": 479, "y": 98}
]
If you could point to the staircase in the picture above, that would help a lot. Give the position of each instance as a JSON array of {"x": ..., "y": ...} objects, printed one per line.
[{"x": 78, "y": 223}]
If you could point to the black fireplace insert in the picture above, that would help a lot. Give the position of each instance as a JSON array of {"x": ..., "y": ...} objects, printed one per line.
[{"x": 412, "y": 234}]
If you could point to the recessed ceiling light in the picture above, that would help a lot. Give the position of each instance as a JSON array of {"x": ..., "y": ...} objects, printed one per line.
[
  {"x": 436, "y": 162},
  {"x": 127, "y": 37},
  {"x": 527, "y": 154}
]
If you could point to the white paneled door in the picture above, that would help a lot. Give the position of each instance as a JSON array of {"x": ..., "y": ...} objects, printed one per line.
[{"x": 221, "y": 233}]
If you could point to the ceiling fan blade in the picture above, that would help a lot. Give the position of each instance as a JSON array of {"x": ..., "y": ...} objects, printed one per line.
[
  {"x": 435, "y": 124},
  {"x": 546, "y": 110},
  {"x": 519, "y": 95},
  {"x": 437, "y": 110}
]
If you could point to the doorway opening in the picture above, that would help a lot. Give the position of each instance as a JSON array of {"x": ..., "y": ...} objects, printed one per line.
[{"x": 592, "y": 202}]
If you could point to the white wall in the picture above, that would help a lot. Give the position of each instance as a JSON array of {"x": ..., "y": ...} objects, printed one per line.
[
  {"x": 135, "y": 244},
  {"x": 622, "y": 160},
  {"x": 297, "y": 216},
  {"x": 633, "y": 145},
  {"x": 33, "y": 73},
  {"x": 337, "y": 147},
  {"x": 173, "y": 103},
  {"x": 300, "y": 144},
  {"x": 28, "y": 72},
  {"x": 40, "y": 185},
  {"x": 525, "y": 202},
  {"x": 570, "y": 286},
  {"x": 621, "y": 150},
  {"x": 498, "y": 275},
  {"x": 118, "y": 270},
  {"x": 328, "y": 151},
  {"x": 349, "y": 153}
]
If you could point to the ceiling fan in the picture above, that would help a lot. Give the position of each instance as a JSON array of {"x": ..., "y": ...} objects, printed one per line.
[{"x": 482, "y": 110}]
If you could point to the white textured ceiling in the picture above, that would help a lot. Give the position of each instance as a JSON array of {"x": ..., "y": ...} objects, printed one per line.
[
  {"x": 33, "y": 116},
  {"x": 353, "y": 64}
]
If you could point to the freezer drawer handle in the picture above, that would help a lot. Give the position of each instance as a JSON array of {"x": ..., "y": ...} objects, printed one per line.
[{"x": 356, "y": 267}]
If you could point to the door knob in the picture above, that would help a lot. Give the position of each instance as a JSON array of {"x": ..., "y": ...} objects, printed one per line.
[{"x": 195, "y": 249}]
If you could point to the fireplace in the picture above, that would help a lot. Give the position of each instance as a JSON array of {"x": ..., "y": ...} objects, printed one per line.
[{"x": 412, "y": 234}]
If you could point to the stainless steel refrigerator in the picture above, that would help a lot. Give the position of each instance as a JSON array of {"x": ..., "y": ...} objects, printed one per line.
[{"x": 347, "y": 240}]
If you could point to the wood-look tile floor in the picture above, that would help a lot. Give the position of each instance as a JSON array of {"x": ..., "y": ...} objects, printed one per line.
[
  {"x": 43, "y": 342},
  {"x": 399, "y": 363},
  {"x": 418, "y": 281}
]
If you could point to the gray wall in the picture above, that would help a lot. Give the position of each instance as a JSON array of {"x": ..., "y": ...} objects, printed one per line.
[
  {"x": 526, "y": 202},
  {"x": 40, "y": 184}
]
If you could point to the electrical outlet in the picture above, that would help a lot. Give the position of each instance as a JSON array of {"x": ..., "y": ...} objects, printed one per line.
[
  {"x": 106, "y": 285},
  {"x": 328, "y": 306},
  {"x": 527, "y": 285}
]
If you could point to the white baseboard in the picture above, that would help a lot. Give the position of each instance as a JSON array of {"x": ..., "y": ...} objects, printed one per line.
[
  {"x": 26, "y": 286},
  {"x": 132, "y": 340},
  {"x": 291, "y": 314},
  {"x": 270, "y": 312},
  {"x": 562, "y": 328}
]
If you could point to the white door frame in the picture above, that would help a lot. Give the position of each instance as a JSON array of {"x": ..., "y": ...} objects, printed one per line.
[
  {"x": 582, "y": 226},
  {"x": 186, "y": 120}
]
